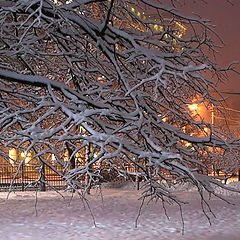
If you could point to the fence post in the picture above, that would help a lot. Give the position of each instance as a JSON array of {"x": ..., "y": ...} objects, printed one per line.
[
  {"x": 87, "y": 180},
  {"x": 22, "y": 168},
  {"x": 137, "y": 180}
]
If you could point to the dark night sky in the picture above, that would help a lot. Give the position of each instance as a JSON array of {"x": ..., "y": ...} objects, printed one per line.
[{"x": 226, "y": 17}]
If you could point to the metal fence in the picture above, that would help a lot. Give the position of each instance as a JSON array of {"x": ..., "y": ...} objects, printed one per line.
[{"x": 23, "y": 177}]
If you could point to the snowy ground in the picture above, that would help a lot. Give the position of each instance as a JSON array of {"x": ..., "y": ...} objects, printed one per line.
[{"x": 115, "y": 218}]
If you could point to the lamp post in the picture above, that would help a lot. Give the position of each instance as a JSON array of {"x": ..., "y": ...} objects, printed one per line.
[{"x": 212, "y": 115}]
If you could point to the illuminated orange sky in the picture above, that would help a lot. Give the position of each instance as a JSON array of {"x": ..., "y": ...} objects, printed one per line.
[{"x": 226, "y": 17}]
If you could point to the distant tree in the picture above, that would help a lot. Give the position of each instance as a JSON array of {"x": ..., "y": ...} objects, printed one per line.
[{"x": 114, "y": 84}]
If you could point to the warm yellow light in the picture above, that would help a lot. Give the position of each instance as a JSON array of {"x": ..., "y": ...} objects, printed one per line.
[
  {"x": 101, "y": 79},
  {"x": 207, "y": 131},
  {"x": 164, "y": 119},
  {"x": 53, "y": 157},
  {"x": 23, "y": 154},
  {"x": 193, "y": 107},
  {"x": 12, "y": 155},
  {"x": 66, "y": 158},
  {"x": 28, "y": 158}
]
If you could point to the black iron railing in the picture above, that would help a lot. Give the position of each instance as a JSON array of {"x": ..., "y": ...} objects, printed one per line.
[{"x": 23, "y": 177}]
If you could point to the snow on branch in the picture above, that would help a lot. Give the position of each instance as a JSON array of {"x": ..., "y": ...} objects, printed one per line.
[{"x": 101, "y": 89}]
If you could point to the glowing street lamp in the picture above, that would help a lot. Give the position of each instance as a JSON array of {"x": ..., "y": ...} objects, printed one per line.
[{"x": 193, "y": 107}]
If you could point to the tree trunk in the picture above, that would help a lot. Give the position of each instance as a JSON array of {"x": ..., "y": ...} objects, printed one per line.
[
  {"x": 42, "y": 183},
  {"x": 72, "y": 162}
]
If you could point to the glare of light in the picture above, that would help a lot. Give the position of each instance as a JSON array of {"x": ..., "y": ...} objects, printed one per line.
[
  {"x": 28, "y": 158},
  {"x": 193, "y": 107},
  {"x": 164, "y": 119},
  {"x": 65, "y": 158},
  {"x": 23, "y": 154},
  {"x": 12, "y": 155},
  {"x": 53, "y": 157},
  {"x": 101, "y": 79}
]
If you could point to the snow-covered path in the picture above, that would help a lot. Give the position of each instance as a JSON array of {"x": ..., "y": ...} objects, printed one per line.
[{"x": 115, "y": 218}]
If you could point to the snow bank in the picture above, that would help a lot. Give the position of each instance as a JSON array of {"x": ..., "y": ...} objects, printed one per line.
[
  {"x": 225, "y": 192},
  {"x": 178, "y": 188}
]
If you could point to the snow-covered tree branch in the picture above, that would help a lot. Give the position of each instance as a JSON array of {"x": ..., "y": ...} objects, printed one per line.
[{"x": 103, "y": 80}]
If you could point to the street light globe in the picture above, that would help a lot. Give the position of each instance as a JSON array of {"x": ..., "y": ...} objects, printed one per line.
[{"x": 193, "y": 107}]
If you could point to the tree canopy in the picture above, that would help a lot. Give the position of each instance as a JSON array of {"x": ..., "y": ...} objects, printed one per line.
[{"x": 111, "y": 81}]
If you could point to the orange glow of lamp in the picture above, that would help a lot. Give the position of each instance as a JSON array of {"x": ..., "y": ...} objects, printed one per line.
[
  {"x": 193, "y": 107},
  {"x": 12, "y": 154},
  {"x": 101, "y": 79}
]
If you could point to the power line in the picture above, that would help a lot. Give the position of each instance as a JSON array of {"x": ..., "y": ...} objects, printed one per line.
[
  {"x": 231, "y": 109},
  {"x": 232, "y": 93},
  {"x": 222, "y": 118}
]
